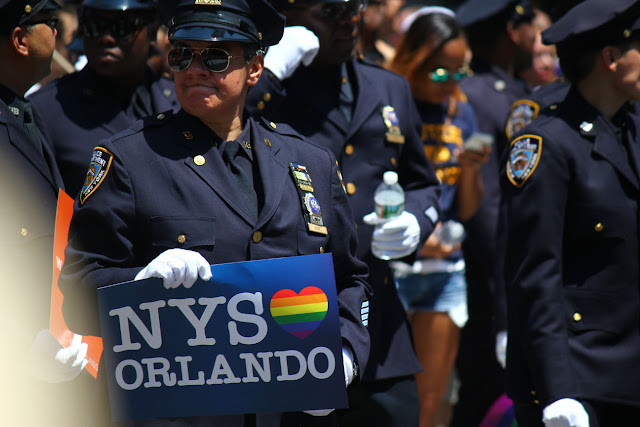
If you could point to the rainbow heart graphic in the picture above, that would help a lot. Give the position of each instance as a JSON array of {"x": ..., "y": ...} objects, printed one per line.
[{"x": 299, "y": 314}]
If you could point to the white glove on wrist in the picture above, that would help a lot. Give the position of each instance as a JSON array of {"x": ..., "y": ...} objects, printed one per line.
[
  {"x": 565, "y": 413},
  {"x": 349, "y": 374},
  {"x": 54, "y": 364},
  {"x": 177, "y": 267},
  {"x": 395, "y": 237},
  {"x": 298, "y": 45},
  {"x": 501, "y": 348}
]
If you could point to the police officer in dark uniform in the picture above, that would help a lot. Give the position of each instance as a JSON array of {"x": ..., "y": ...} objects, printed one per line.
[
  {"x": 29, "y": 185},
  {"x": 177, "y": 192},
  {"x": 500, "y": 33},
  {"x": 367, "y": 117},
  {"x": 573, "y": 355},
  {"x": 112, "y": 91}
]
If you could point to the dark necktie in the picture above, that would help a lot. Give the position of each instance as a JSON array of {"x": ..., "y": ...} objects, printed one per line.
[
  {"x": 30, "y": 126},
  {"x": 240, "y": 176},
  {"x": 346, "y": 96}
]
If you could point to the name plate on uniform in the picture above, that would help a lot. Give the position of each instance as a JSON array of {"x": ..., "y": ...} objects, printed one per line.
[{"x": 260, "y": 336}]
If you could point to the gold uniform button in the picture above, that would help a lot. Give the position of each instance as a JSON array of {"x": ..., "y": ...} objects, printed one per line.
[
  {"x": 257, "y": 237},
  {"x": 267, "y": 97},
  {"x": 273, "y": 125},
  {"x": 577, "y": 317},
  {"x": 537, "y": 402},
  {"x": 348, "y": 149},
  {"x": 351, "y": 189},
  {"x": 393, "y": 161},
  {"x": 182, "y": 238},
  {"x": 160, "y": 116},
  {"x": 199, "y": 160},
  {"x": 598, "y": 227},
  {"x": 24, "y": 232},
  {"x": 260, "y": 105},
  {"x": 553, "y": 107},
  {"x": 321, "y": 250},
  {"x": 533, "y": 392}
]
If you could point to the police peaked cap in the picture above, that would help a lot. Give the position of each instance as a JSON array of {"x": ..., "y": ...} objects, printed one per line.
[
  {"x": 121, "y": 5},
  {"x": 14, "y": 13},
  {"x": 474, "y": 12},
  {"x": 594, "y": 24},
  {"x": 245, "y": 21}
]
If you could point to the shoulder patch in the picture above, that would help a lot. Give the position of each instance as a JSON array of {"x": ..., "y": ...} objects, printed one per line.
[
  {"x": 523, "y": 158},
  {"x": 98, "y": 169},
  {"x": 523, "y": 112}
]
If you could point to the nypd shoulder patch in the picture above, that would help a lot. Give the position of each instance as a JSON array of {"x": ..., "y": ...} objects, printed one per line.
[
  {"x": 523, "y": 112},
  {"x": 523, "y": 158},
  {"x": 98, "y": 169}
]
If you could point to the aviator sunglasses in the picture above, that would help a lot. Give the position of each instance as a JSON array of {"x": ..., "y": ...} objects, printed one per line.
[
  {"x": 215, "y": 59},
  {"x": 442, "y": 75}
]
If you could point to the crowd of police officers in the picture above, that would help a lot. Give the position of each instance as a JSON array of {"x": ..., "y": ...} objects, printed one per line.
[{"x": 552, "y": 255}]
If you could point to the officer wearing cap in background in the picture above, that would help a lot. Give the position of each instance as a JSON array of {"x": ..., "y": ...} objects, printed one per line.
[
  {"x": 29, "y": 183},
  {"x": 526, "y": 109},
  {"x": 366, "y": 116},
  {"x": 500, "y": 33},
  {"x": 573, "y": 355},
  {"x": 112, "y": 91},
  {"x": 208, "y": 185}
]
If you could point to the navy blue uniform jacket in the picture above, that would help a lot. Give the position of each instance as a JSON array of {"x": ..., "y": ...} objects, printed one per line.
[
  {"x": 154, "y": 193},
  {"x": 76, "y": 112},
  {"x": 572, "y": 260},
  {"x": 29, "y": 183},
  {"x": 364, "y": 155}
]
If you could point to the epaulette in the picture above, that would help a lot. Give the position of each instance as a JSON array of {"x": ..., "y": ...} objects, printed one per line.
[{"x": 281, "y": 128}]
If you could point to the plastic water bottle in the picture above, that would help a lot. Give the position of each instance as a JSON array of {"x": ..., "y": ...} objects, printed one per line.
[
  {"x": 389, "y": 196},
  {"x": 450, "y": 233}
]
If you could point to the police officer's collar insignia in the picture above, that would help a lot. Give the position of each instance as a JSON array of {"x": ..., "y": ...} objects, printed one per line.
[
  {"x": 391, "y": 121},
  {"x": 98, "y": 169},
  {"x": 209, "y": 2},
  {"x": 310, "y": 206},
  {"x": 586, "y": 127},
  {"x": 523, "y": 158},
  {"x": 14, "y": 110},
  {"x": 522, "y": 113}
]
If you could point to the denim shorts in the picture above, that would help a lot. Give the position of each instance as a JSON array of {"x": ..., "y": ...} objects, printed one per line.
[{"x": 440, "y": 292}]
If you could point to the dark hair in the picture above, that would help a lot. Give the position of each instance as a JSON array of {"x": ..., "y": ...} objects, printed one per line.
[
  {"x": 422, "y": 41},
  {"x": 576, "y": 67}
]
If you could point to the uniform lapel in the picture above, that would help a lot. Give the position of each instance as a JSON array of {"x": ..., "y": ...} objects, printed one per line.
[
  {"x": 367, "y": 101},
  {"x": 606, "y": 146},
  {"x": 273, "y": 168},
  {"x": 19, "y": 138},
  {"x": 203, "y": 157}
]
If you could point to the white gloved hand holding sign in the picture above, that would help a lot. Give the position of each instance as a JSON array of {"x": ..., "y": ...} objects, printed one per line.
[
  {"x": 52, "y": 363},
  {"x": 565, "y": 413},
  {"x": 349, "y": 375},
  {"x": 177, "y": 267},
  {"x": 394, "y": 237},
  {"x": 298, "y": 45}
]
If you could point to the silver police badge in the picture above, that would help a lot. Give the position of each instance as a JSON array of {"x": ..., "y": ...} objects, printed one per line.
[{"x": 523, "y": 158}]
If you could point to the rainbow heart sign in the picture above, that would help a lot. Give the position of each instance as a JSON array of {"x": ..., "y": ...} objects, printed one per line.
[{"x": 299, "y": 313}]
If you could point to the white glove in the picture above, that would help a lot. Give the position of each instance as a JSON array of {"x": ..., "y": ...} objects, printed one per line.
[
  {"x": 395, "y": 237},
  {"x": 297, "y": 45},
  {"x": 349, "y": 374},
  {"x": 54, "y": 364},
  {"x": 565, "y": 413},
  {"x": 177, "y": 267},
  {"x": 501, "y": 348}
]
